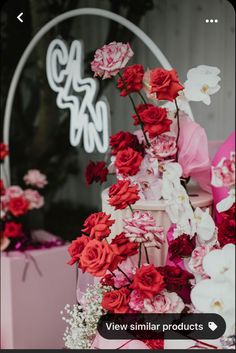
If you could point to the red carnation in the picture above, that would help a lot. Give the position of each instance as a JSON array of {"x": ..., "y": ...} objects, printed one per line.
[
  {"x": 96, "y": 172},
  {"x": 175, "y": 278},
  {"x": 181, "y": 247},
  {"x": 76, "y": 248},
  {"x": 2, "y": 188},
  {"x": 128, "y": 161},
  {"x": 148, "y": 280},
  {"x": 122, "y": 140},
  {"x": 122, "y": 247},
  {"x": 3, "y": 151},
  {"x": 97, "y": 225},
  {"x": 107, "y": 280},
  {"x": 116, "y": 301},
  {"x": 226, "y": 229},
  {"x": 165, "y": 84},
  {"x": 12, "y": 230},
  {"x": 123, "y": 194},
  {"x": 18, "y": 206},
  {"x": 132, "y": 80}
]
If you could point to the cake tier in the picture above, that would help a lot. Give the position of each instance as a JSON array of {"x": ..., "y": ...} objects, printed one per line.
[{"x": 198, "y": 197}]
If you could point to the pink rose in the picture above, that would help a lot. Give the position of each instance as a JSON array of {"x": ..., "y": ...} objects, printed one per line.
[
  {"x": 136, "y": 300},
  {"x": 164, "y": 302},
  {"x": 35, "y": 178},
  {"x": 162, "y": 147},
  {"x": 224, "y": 173},
  {"x": 13, "y": 191},
  {"x": 195, "y": 262},
  {"x": 110, "y": 59},
  {"x": 34, "y": 198},
  {"x": 142, "y": 228}
]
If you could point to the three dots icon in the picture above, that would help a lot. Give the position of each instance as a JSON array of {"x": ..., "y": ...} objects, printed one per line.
[{"x": 211, "y": 20}]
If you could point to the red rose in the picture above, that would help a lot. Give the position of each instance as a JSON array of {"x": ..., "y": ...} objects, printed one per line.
[
  {"x": 116, "y": 301},
  {"x": 18, "y": 206},
  {"x": 181, "y": 247},
  {"x": 226, "y": 229},
  {"x": 148, "y": 281},
  {"x": 140, "y": 109},
  {"x": 165, "y": 84},
  {"x": 3, "y": 151},
  {"x": 128, "y": 161},
  {"x": 133, "y": 78},
  {"x": 76, "y": 248},
  {"x": 2, "y": 188},
  {"x": 12, "y": 230},
  {"x": 96, "y": 172},
  {"x": 123, "y": 194},
  {"x": 97, "y": 225},
  {"x": 175, "y": 278},
  {"x": 107, "y": 280},
  {"x": 97, "y": 257},
  {"x": 155, "y": 121},
  {"x": 122, "y": 247},
  {"x": 122, "y": 140}
]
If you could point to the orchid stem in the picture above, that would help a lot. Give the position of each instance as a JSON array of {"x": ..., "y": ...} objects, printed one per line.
[
  {"x": 178, "y": 127},
  {"x": 133, "y": 104}
]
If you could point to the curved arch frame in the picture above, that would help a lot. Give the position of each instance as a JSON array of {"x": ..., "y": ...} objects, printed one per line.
[{"x": 70, "y": 14}]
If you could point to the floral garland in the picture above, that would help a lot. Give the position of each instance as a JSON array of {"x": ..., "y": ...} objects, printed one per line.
[{"x": 155, "y": 163}]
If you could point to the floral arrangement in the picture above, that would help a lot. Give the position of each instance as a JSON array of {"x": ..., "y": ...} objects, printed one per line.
[
  {"x": 16, "y": 203},
  {"x": 156, "y": 162}
]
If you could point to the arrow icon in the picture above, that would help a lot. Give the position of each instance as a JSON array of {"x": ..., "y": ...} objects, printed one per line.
[{"x": 19, "y": 17}]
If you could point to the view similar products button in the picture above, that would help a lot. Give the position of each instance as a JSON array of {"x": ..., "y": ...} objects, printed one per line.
[{"x": 161, "y": 326}]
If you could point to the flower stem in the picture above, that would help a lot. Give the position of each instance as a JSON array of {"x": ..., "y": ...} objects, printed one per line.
[
  {"x": 178, "y": 128},
  {"x": 124, "y": 274},
  {"x": 142, "y": 97},
  {"x": 113, "y": 274},
  {"x": 146, "y": 252},
  {"x": 140, "y": 255},
  {"x": 134, "y": 107},
  {"x": 131, "y": 208}
]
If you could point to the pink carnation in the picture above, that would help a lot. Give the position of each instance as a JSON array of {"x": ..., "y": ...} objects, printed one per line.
[
  {"x": 35, "y": 178},
  {"x": 164, "y": 302},
  {"x": 224, "y": 173},
  {"x": 13, "y": 191},
  {"x": 162, "y": 147},
  {"x": 142, "y": 228},
  {"x": 34, "y": 198},
  {"x": 136, "y": 300},
  {"x": 110, "y": 59},
  {"x": 196, "y": 260}
]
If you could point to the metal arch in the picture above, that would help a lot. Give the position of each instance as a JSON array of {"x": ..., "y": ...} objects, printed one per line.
[{"x": 73, "y": 13}]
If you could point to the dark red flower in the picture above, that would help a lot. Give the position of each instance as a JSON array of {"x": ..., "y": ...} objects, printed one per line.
[
  {"x": 128, "y": 161},
  {"x": 175, "y": 278},
  {"x": 116, "y": 301},
  {"x": 140, "y": 109},
  {"x": 122, "y": 140},
  {"x": 97, "y": 225},
  {"x": 107, "y": 280},
  {"x": 132, "y": 80},
  {"x": 76, "y": 248},
  {"x": 96, "y": 172},
  {"x": 2, "y": 188},
  {"x": 18, "y": 206},
  {"x": 122, "y": 247},
  {"x": 148, "y": 280},
  {"x": 12, "y": 230},
  {"x": 165, "y": 84},
  {"x": 181, "y": 247},
  {"x": 3, "y": 151},
  {"x": 226, "y": 229},
  {"x": 123, "y": 194}
]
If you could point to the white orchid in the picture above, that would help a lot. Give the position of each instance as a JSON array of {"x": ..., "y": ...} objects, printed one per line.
[
  {"x": 217, "y": 294},
  {"x": 203, "y": 224},
  {"x": 227, "y": 202},
  {"x": 202, "y": 82},
  {"x": 219, "y": 264},
  {"x": 171, "y": 179},
  {"x": 178, "y": 206}
]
